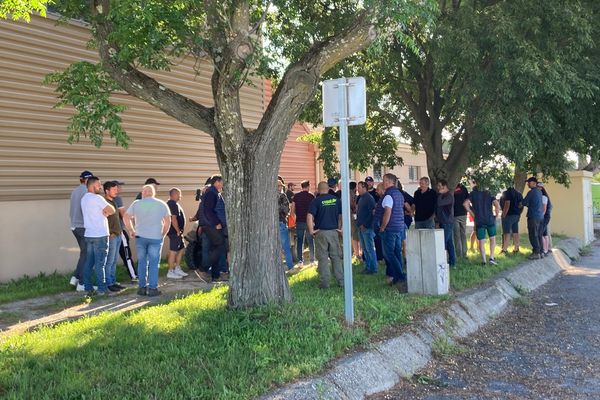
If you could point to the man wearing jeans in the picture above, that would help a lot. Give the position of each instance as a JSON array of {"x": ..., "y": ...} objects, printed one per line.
[
  {"x": 95, "y": 210},
  {"x": 535, "y": 217},
  {"x": 364, "y": 222},
  {"x": 111, "y": 191},
  {"x": 393, "y": 228},
  {"x": 424, "y": 207},
  {"x": 284, "y": 235},
  {"x": 149, "y": 220},
  {"x": 78, "y": 229},
  {"x": 460, "y": 220},
  {"x": 300, "y": 203},
  {"x": 445, "y": 216}
]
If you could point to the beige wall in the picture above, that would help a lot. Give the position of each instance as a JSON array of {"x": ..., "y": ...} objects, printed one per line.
[{"x": 572, "y": 214}]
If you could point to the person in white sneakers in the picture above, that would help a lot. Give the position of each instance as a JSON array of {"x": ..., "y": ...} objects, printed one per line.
[{"x": 175, "y": 234}]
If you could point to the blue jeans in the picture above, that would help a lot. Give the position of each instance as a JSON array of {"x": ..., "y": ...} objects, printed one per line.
[
  {"x": 301, "y": 229},
  {"x": 148, "y": 252},
  {"x": 392, "y": 252},
  {"x": 285, "y": 245},
  {"x": 367, "y": 243},
  {"x": 449, "y": 242},
  {"x": 95, "y": 259},
  {"x": 114, "y": 243}
]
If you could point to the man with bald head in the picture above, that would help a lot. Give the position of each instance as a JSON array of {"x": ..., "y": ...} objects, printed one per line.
[{"x": 149, "y": 220}]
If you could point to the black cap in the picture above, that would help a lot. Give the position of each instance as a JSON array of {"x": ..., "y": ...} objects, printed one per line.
[
  {"x": 369, "y": 179},
  {"x": 532, "y": 179},
  {"x": 116, "y": 182},
  {"x": 109, "y": 184},
  {"x": 151, "y": 181},
  {"x": 86, "y": 174},
  {"x": 332, "y": 182}
]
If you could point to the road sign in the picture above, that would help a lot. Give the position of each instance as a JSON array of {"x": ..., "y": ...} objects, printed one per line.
[{"x": 356, "y": 108}]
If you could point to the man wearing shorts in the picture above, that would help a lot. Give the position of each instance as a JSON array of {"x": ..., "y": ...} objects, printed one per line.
[
  {"x": 511, "y": 214},
  {"x": 481, "y": 205},
  {"x": 175, "y": 234}
]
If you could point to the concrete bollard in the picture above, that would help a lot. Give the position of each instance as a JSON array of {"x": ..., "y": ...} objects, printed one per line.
[{"x": 427, "y": 269}]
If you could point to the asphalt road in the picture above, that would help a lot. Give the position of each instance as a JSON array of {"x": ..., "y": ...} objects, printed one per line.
[{"x": 546, "y": 346}]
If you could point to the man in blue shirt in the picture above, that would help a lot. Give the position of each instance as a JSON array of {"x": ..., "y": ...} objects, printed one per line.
[
  {"x": 535, "y": 217},
  {"x": 485, "y": 209},
  {"x": 324, "y": 222},
  {"x": 364, "y": 222},
  {"x": 213, "y": 228},
  {"x": 393, "y": 228}
]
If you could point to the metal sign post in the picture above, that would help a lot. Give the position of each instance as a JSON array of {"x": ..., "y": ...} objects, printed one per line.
[{"x": 344, "y": 104}]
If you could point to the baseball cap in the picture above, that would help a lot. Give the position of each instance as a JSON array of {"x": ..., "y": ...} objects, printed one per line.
[
  {"x": 86, "y": 174},
  {"x": 532, "y": 179},
  {"x": 151, "y": 181},
  {"x": 369, "y": 179},
  {"x": 109, "y": 184},
  {"x": 332, "y": 182},
  {"x": 116, "y": 182}
]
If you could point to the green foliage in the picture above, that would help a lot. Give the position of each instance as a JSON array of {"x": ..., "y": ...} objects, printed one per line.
[
  {"x": 88, "y": 88},
  {"x": 22, "y": 9}
]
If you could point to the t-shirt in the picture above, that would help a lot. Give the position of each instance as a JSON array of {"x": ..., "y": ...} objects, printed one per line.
[
  {"x": 373, "y": 192},
  {"x": 481, "y": 204},
  {"x": 533, "y": 202},
  {"x": 176, "y": 210},
  {"x": 75, "y": 209},
  {"x": 283, "y": 207},
  {"x": 148, "y": 214},
  {"x": 424, "y": 204},
  {"x": 94, "y": 221},
  {"x": 290, "y": 195},
  {"x": 114, "y": 221},
  {"x": 515, "y": 198},
  {"x": 119, "y": 203},
  {"x": 387, "y": 202},
  {"x": 302, "y": 201},
  {"x": 460, "y": 195},
  {"x": 364, "y": 211},
  {"x": 325, "y": 210},
  {"x": 445, "y": 208}
]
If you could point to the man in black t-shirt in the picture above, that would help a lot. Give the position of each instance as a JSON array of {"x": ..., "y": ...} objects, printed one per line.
[
  {"x": 371, "y": 188},
  {"x": 324, "y": 222},
  {"x": 511, "y": 214},
  {"x": 424, "y": 207},
  {"x": 460, "y": 220},
  {"x": 484, "y": 208},
  {"x": 175, "y": 234}
]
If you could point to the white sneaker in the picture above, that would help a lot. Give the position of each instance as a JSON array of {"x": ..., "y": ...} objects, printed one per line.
[
  {"x": 173, "y": 275},
  {"x": 179, "y": 271},
  {"x": 74, "y": 281},
  {"x": 80, "y": 287}
]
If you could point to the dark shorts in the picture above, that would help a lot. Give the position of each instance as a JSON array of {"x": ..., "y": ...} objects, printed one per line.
[
  {"x": 176, "y": 243},
  {"x": 510, "y": 224},
  {"x": 483, "y": 229}
]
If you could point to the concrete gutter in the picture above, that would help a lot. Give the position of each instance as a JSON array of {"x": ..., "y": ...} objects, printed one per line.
[{"x": 387, "y": 362}]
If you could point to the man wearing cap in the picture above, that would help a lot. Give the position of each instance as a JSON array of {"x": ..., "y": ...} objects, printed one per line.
[
  {"x": 371, "y": 188},
  {"x": 149, "y": 181},
  {"x": 535, "y": 217},
  {"x": 77, "y": 227},
  {"x": 95, "y": 210},
  {"x": 124, "y": 248},
  {"x": 324, "y": 222},
  {"x": 332, "y": 184},
  {"x": 152, "y": 220},
  {"x": 114, "y": 238}
]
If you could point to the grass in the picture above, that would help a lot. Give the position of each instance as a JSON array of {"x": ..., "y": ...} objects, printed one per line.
[{"x": 444, "y": 348}]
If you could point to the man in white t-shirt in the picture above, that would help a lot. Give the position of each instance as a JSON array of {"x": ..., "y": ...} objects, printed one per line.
[
  {"x": 152, "y": 220},
  {"x": 95, "y": 209}
]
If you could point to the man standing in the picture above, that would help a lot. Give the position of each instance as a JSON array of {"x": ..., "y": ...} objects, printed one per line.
[
  {"x": 324, "y": 222},
  {"x": 114, "y": 239},
  {"x": 95, "y": 209},
  {"x": 175, "y": 234},
  {"x": 535, "y": 217},
  {"x": 424, "y": 207},
  {"x": 124, "y": 249},
  {"x": 460, "y": 220},
  {"x": 284, "y": 236},
  {"x": 290, "y": 191},
  {"x": 148, "y": 220},
  {"x": 364, "y": 221},
  {"x": 213, "y": 229},
  {"x": 149, "y": 181},
  {"x": 393, "y": 228},
  {"x": 445, "y": 216},
  {"x": 511, "y": 214},
  {"x": 371, "y": 188},
  {"x": 300, "y": 203},
  {"x": 481, "y": 206},
  {"x": 77, "y": 227},
  {"x": 333, "y": 185}
]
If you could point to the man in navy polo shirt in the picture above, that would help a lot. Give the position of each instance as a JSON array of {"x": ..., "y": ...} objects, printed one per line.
[
  {"x": 392, "y": 227},
  {"x": 324, "y": 222},
  {"x": 535, "y": 217},
  {"x": 484, "y": 209}
]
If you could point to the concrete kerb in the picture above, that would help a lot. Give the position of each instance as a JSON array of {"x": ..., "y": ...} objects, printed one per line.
[
  {"x": 382, "y": 367},
  {"x": 571, "y": 247}
]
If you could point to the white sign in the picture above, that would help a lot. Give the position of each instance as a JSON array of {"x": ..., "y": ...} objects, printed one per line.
[{"x": 356, "y": 111}]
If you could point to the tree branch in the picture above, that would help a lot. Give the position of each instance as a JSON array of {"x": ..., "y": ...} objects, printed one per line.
[{"x": 142, "y": 86}]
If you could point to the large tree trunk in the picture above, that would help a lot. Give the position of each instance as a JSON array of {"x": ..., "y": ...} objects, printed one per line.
[{"x": 519, "y": 179}]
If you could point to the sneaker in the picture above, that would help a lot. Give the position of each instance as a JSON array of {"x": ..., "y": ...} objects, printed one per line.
[
  {"x": 223, "y": 278},
  {"x": 74, "y": 281},
  {"x": 173, "y": 275},
  {"x": 153, "y": 292},
  {"x": 114, "y": 288},
  {"x": 141, "y": 291},
  {"x": 91, "y": 293},
  {"x": 535, "y": 256},
  {"x": 203, "y": 276},
  {"x": 121, "y": 287},
  {"x": 179, "y": 271},
  {"x": 493, "y": 261},
  {"x": 80, "y": 288}
]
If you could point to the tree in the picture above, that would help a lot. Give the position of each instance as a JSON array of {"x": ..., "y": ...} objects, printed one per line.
[{"x": 132, "y": 35}]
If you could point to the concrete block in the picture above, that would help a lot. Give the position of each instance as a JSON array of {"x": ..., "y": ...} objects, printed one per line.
[
  {"x": 460, "y": 323},
  {"x": 405, "y": 354},
  {"x": 485, "y": 303},
  {"x": 427, "y": 269},
  {"x": 314, "y": 389},
  {"x": 504, "y": 286},
  {"x": 363, "y": 374},
  {"x": 533, "y": 274},
  {"x": 571, "y": 247}
]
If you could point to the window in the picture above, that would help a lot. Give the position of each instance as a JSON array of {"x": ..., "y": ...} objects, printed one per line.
[
  {"x": 413, "y": 173},
  {"x": 377, "y": 175}
]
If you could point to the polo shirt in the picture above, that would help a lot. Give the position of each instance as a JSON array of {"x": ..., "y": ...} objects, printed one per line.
[
  {"x": 533, "y": 202},
  {"x": 325, "y": 210},
  {"x": 515, "y": 198},
  {"x": 481, "y": 203}
]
